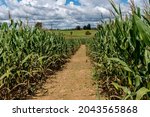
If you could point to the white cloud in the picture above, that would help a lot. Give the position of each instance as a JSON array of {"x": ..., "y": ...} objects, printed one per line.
[{"x": 55, "y": 12}]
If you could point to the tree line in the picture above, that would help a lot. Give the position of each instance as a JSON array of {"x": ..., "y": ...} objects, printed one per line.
[
  {"x": 78, "y": 27},
  {"x": 85, "y": 27}
]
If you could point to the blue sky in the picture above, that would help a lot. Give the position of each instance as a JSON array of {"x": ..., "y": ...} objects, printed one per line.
[
  {"x": 60, "y": 13},
  {"x": 2, "y": 2},
  {"x": 76, "y": 2},
  {"x": 125, "y": 1}
]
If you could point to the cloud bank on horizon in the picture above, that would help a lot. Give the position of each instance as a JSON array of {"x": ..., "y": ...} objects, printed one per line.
[{"x": 60, "y": 13}]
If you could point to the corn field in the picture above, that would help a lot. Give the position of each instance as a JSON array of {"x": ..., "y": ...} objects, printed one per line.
[
  {"x": 28, "y": 56},
  {"x": 121, "y": 54}
]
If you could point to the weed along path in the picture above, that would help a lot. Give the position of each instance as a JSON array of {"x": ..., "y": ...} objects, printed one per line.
[{"x": 74, "y": 82}]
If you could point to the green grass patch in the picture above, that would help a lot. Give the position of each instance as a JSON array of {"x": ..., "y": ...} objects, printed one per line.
[{"x": 76, "y": 34}]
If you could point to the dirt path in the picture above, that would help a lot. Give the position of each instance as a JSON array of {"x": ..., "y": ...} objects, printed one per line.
[{"x": 74, "y": 82}]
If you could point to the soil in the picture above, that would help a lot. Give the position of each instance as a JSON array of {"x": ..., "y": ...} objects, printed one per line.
[{"x": 74, "y": 82}]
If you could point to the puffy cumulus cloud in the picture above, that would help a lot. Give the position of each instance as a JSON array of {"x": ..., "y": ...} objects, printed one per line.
[
  {"x": 52, "y": 12},
  {"x": 93, "y": 3},
  {"x": 55, "y": 13},
  {"x": 43, "y": 2}
]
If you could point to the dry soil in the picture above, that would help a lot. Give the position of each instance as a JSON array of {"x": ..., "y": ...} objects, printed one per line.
[{"x": 74, "y": 82}]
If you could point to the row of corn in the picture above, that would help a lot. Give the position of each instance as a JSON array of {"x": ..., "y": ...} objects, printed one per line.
[
  {"x": 27, "y": 56},
  {"x": 121, "y": 54}
]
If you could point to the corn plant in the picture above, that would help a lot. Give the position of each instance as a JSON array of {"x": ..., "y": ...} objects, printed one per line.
[
  {"x": 121, "y": 54},
  {"x": 27, "y": 56}
]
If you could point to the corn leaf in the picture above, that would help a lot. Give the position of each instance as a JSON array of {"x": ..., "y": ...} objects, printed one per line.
[
  {"x": 124, "y": 65},
  {"x": 143, "y": 29},
  {"x": 141, "y": 92}
]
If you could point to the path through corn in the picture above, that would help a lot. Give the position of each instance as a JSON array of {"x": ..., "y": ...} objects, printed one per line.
[{"x": 74, "y": 82}]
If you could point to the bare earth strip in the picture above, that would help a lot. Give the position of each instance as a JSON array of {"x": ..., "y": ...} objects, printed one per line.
[{"x": 74, "y": 82}]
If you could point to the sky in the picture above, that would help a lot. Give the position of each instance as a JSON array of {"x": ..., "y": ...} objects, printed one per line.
[{"x": 60, "y": 13}]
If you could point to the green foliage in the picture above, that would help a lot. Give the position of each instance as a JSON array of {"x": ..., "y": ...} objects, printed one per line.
[
  {"x": 27, "y": 55},
  {"x": 87, "y": 33},
  {"x": 121, "y": 49}
]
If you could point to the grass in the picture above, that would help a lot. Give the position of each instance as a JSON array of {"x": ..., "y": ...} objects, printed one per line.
[{"x": 76, "y": 34}]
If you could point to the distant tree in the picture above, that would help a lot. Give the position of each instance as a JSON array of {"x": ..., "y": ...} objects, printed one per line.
[
  {"x": 78, "y": 28},
  {"x": 89, "y": 26},
  {"x": 84, "y": 27},
  {"x": 38, "y": 25}
]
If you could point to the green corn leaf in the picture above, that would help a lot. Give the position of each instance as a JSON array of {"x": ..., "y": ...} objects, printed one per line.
[
  {"x": 125, "y": 89},
  {"x": 143, "y": 29},
  {"x": 148, "y": 85},
  {"x": 4, "y": 26},
  {"x": 117, "y": 86},
  {"x": 147, "y": 56},
  {"x": 7, "y": 74},
  {"x": 26, "y": 58},
  {"x": 120, "y": 12},
  {"x": 137, "y": 80},
  {"x": 114, "y": 6},
  {"x": 139, "y": 12},
  {"x": 141, "y": 92},
  {"x": 124, "y": 65},
  {"x": 147, "y": 20},
  {"x": 40, "y": 59}
]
